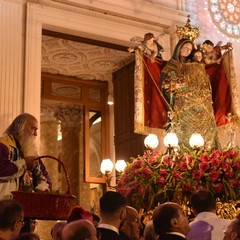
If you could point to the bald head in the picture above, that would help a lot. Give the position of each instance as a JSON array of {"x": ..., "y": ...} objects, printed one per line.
[
  {"x": 79, "y": 230},
  {"x": 131, "y": 224}
]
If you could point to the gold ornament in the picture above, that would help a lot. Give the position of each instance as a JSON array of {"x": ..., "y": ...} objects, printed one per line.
[{"x": 188, "y": 32}]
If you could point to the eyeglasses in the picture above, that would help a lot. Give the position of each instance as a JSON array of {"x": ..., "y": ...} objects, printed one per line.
[
  {"x": 33, "y": 222},
  {"x": 22, "y": 222}
]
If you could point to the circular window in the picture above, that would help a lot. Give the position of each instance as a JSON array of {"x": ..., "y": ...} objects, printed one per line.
[{"x": 226, "y": 16}]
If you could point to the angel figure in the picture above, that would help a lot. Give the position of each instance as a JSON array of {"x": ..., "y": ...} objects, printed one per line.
[
  {"x": 211, "y": 53},
  {"x": 148, "y": 45}
]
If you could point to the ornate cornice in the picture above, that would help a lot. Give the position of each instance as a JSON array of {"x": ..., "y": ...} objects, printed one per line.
[{"x": 145, "y": 23}]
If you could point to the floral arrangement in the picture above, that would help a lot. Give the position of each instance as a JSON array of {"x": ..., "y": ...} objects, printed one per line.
[{"x": 156, "y": 177}]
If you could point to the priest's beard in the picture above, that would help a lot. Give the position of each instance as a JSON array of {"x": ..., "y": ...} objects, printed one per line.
[{"x": 29, "y": 145}]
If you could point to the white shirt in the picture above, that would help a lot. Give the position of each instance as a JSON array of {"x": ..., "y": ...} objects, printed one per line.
[
  {"x": 208, "y": 226},
  {"x": 108, "y": 226}
]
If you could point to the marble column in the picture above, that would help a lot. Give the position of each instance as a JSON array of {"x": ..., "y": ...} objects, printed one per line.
[
  {"x": 11, "y": 60},
  {"x": 70, "y": 117},
  {"x": 49, "y": 145}
]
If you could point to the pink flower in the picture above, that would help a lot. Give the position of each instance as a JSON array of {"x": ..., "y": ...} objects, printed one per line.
[
  {"x": 197, "y": 174},
  {"x": 218, "y": 187},
  {"x": 204, "y": 166},
  {"x": 214, "y": 175},
  {"x": 183, "y": 166}
]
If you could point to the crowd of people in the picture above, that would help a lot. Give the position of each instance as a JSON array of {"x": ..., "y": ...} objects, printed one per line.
[{"x": 118, "y": 221}]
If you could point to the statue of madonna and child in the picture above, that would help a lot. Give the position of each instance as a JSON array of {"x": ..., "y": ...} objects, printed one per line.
[{"x": 194, "y": 92}]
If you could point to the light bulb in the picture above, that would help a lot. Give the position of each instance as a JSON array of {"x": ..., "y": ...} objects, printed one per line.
[
  {"x": 106, "y": 166},
  {"x": 170, "y": 140},
  {"x": 120, "y": 165},
  {"x": 196, "y": 140},
  {"x": 151, "y": 141}
]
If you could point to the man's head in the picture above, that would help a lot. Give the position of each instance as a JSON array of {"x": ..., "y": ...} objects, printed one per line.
[
  {"x": 11, "y": 218},
  {"x": 24, "y": 129},
  {"x": 131, "y": 224},
  {"x": 79, "y": 230},
  {"x": 203, "y": 201},
  {"x": 112, "y": 208},
  {"x": 233, "y": 230},
  {"x": 170, "y": 217},
  {"x": 56, "y": 231}
]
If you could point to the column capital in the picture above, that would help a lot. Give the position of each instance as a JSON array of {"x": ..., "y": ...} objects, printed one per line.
[{"x": 69, "y": 115}]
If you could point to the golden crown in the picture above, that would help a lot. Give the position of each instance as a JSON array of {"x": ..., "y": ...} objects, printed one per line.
[{"x": 188, "y": 32}]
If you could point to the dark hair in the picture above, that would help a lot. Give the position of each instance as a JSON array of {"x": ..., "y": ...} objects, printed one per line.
[
  {"x": 27, "y": 236},
  {"x": 203, "y": 201},
  {"x": 111, "y": 202},
  {"x": 208, "y": 42},
  {"x": 96, "y": 217},
  {"x": 10, "y": 212},
  {"x": 163, "y": 215},
  {"x": 148, "y": 36}
]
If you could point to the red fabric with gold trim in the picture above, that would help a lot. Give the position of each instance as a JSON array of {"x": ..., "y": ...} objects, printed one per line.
[
  {"x": 154, "y": 104},
  {"x": 221, "y": 93}
]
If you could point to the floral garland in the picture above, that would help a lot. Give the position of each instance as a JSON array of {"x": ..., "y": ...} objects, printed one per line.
[{"x": 156, "y": 177}]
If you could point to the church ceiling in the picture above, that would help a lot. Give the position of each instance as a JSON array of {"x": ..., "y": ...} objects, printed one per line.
[{"x": 81, "y": 60}]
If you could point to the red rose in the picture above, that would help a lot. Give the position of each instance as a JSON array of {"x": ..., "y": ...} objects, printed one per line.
[
  {"x": 216, "y": 153},
  {"x": 214, "y": 175},
  {"x": 216, "y": 162},
  {"x": 204, "y": 166},
  {"x": 183, "y": 166},
  {"x": 197, "y": 174},
  {"x": 205, "y": 158},
  {"x": 137, "y": 163},
  {"x": 146, "y": 173},
  {"x": 218, "y": 187},
  {"x": 235, "y": 183},
  {"x": 161, "y": 181},
  {"x": 163, "y": 172},
  {"x": 230, "y": 173},
  {"x": 225, "y": 166},
  {"x": 177, "y": 175},
  {"x": 152, "y": 160},
  {"x": 236, "y": 165}
]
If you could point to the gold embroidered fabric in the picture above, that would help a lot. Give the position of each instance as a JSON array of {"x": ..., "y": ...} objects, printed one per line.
[{"x": 193, "y": 106}]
